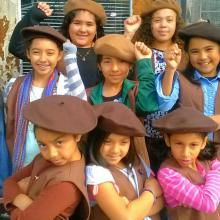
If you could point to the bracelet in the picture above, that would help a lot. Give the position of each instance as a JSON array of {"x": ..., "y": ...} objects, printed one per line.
[{"x": 145, "y": 189}]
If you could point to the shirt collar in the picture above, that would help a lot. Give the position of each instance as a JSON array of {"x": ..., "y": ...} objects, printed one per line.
[{"x": 198, "y": 75}]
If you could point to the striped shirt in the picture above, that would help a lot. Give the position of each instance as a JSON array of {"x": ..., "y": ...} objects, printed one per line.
[{"x": 178, "y": 190}]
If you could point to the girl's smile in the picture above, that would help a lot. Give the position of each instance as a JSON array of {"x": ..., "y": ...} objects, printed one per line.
[
  {"x": 114, "y": 149},
  {"x": 204, "y": 56}
]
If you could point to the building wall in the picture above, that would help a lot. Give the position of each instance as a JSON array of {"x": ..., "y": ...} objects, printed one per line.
[{"x": 8, "y": 15}]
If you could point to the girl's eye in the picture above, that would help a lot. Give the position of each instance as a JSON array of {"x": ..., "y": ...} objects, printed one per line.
[
  {"x": 59, "y": 143},
  {"x": 178, "y": 144},
  {"x": 156, "y": 20},
  {"x": 42, "y": 146},
  {"x": 194, "y": 145},
  {"x": 107, "y": 141},
  {"x": 50, "y": 54},
  {"x": 106, "y": 61}
]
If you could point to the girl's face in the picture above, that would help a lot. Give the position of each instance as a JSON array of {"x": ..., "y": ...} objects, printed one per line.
[
  {"x": 163, "y": 24},
  {"x": 56, "y": 147},
  {"x": 114, "y": 148},
  {"x": 114, "y": 70},
  {"x": 185, "y": 147},
  {"x": 204, "y": 56},
  {"x": 82, "y": 29},
  {"x": 43, "y": 55}
]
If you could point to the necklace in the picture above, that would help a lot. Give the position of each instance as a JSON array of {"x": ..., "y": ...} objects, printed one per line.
[{"x": 83, "y": 56}]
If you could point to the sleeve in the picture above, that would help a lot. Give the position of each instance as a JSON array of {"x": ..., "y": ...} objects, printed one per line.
[
  {"x": 75, "y": 83},
  {"x": 11, "y": 188},
  {"x": 58, "y": 197},
  {"x": 16, "y": 45},
  {"x": 203, "y": 198},
  {"x": 146, "y": 99},
  {"x": 167, "y": 102},
  {"x": 97, "y": 175}
]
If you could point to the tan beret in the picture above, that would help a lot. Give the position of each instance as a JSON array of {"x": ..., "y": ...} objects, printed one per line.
[
  {"x": 66, "y": 114},
  {"x": 117, "y": 118},
  {"x": 154, "y": 5},
  {"x": 115, "y": 45},
  {"x": 185, "y": 120},
  {"x": 89, "y": 5},
  {"x": 36, "y": 31}
]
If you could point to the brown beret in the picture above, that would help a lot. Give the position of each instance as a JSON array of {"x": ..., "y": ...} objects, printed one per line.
[
  {"x": 185, "y": 120},
  {"x": 117, "y": 118},
  {"x": 88, "y": 5},
  {"x": 115, "y": 45},
  {"x": 154, "y": 5},
  {"x": 37, "y": 31},
  {"x": 201, "y": 29},
  {"x": 67, "y": 114}
]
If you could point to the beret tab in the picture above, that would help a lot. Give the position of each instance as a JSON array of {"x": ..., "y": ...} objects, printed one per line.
[{"x": 66, "y": 114}]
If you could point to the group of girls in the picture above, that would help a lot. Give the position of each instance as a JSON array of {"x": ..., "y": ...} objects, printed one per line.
[{"x": 175, "y": 66}]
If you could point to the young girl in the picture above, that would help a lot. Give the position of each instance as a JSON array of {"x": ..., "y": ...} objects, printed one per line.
[
  {"x": 115, "y": 57},
  {"x": 198, "y": 85},
  {"x": 82, "y": 24},
  {"x": 157, "y": 27},
  {"x": 53, "y": 185},
  {"x": 44, "y": 50},
  {"x": 190, "y": 174},
  {"x": 119, "y": 183}
]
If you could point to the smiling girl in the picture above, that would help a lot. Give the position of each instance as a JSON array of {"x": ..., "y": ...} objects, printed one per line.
[
  {"x": 120, "y": 185},
  {"x": 82, "y": 24},
  {"x": 199, "y": 83},
  {"x": 44, "y": 49}
]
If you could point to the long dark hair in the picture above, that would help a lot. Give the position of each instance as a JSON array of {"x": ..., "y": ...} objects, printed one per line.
[
  {"x": 144, "y": 33},
  {"x": 94, "y": 142},
  {"x": 68, "y": 19}
]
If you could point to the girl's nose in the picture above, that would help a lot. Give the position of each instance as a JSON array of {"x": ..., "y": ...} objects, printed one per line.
[
  {"x": 115, "y": 67},
  {"x": 52, "y": 152}
]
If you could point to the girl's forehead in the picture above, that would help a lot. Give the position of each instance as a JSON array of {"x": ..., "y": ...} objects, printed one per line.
[
  {"x": 84, "y": 15},
  {"x": 199, "y": 42},
  {"x": 164, "y": 12}
]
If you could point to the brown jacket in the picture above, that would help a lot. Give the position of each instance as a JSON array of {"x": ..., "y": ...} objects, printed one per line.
[
  {"x": 192, "y": 95},
  {"x": 44, "y": 175},
  {"x": 185, "y": 213}
]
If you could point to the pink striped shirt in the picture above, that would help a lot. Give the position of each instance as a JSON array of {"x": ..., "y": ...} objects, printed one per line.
[{"x": 179, "y": 191}]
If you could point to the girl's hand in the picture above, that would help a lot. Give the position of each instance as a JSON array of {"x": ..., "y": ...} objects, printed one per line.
[
  {"x": 132, "y": 23},
  {"x": 142, "y": 51},
  {"x": 125, "y": 200},
  {"x": 172, "y": 57},
  {"x": 24, "y": 183},
  {"x": 153, "y": 184},
  {"x": 43, "y": 6},
  {"x": 22, "y": 201},
  {"x": 69, "y": 47}
]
